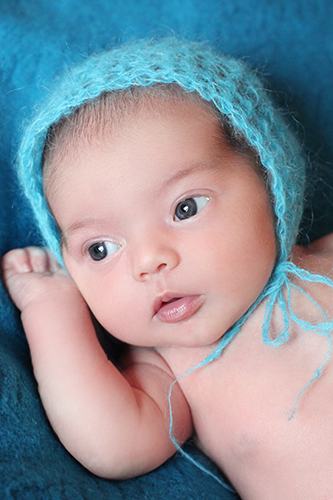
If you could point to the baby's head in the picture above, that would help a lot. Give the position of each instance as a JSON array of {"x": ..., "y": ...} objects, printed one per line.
[
  {"x": 166, "y": 164},
  {"x": 161, "y": 214}
]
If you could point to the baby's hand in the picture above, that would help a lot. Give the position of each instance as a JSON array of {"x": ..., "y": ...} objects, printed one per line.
[{"x": 33, "y": 274}]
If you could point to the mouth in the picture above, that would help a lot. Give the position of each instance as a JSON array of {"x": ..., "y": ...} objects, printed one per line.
[{"x": 171, "y": 308}]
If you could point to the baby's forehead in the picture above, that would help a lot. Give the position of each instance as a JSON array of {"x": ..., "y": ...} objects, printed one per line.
[
  {"x": 128, "y": 102},
  {"x": 104, "y": 116},
  {"x": 113, "y": 116}
]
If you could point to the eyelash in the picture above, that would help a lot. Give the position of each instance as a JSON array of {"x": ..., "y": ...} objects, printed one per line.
[{"x": 189, "y": 207}]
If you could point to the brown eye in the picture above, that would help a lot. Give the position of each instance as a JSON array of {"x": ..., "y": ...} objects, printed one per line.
[{"x": 190, "y": 207}]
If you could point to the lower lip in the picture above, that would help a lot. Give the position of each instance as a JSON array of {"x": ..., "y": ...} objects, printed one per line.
[{"x": 179, "y": 309}]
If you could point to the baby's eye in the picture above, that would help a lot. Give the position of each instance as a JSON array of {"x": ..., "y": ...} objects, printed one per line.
[
  {"x": 102, "y": 249},
  {"x": 189, "y": 207}
]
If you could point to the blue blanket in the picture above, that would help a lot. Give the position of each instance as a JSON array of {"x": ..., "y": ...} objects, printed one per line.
[{"x": 290, "y": 41}]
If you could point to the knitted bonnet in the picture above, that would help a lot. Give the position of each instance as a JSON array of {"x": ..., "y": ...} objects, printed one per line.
[{"x": 235, "y": 91}]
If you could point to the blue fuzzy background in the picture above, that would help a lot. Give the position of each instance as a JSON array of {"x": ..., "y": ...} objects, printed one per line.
[{"x": 289, "y": 41}]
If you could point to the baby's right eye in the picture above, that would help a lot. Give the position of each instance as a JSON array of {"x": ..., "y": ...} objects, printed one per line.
[{"x": 102, "y": 249}]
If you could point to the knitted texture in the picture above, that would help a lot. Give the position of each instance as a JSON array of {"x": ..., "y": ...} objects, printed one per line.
[{"x": 236, "y": 92}]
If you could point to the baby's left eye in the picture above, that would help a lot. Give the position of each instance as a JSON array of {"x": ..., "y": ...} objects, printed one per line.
[{"x": 189, "y": 207}]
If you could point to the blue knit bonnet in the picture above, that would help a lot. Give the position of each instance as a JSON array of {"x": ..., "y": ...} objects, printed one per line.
[{"x": 235, "y": 91}]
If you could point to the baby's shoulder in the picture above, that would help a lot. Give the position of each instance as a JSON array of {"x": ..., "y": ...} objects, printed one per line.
[
  {"x": 315, "y": 304},
  {"x": 317, "y": 257},
  {"x": 134, "y": 355}
]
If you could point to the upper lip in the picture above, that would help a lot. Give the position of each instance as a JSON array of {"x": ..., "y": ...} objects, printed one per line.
[{"x": 164, "y": 298}]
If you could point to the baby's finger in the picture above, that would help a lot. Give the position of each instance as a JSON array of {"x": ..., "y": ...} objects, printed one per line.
[
  {"x": 14, "y": 262},
  {"x": 39, "y": 259},
  {"x": 54, "y": 265}
]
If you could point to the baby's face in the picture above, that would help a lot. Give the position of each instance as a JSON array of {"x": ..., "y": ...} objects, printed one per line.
[{"x": 167, "y": 232}]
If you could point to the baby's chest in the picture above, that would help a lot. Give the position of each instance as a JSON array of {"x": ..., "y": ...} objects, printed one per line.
[
  {"x": 243, "y": 408},
  {"x": 228, "y": 411}
]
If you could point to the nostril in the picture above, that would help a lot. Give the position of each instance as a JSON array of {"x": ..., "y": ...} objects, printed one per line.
[
  {"x": 152, "y": 260},
  {"x": 143, "y": 275}
]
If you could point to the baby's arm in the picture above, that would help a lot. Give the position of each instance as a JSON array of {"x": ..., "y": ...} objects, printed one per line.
[{"x": 115, "y": 424}]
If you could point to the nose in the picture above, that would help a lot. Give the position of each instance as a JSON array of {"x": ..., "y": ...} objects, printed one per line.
[{"x": 153, "y": 255}]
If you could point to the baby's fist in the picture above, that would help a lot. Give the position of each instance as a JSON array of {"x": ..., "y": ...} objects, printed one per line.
[{"x": 31, "y": 274}]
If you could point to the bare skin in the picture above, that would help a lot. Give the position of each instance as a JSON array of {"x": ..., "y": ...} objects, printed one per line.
[
  {"x": 251, "y": 389},
  {"x": 116, "y": 423}
]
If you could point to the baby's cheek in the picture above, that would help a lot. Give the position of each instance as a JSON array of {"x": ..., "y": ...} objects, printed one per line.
[{"x": 109, "y": 307}]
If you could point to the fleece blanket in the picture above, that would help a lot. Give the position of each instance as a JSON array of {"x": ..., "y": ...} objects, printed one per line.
[{"x": 289, "y": 41}]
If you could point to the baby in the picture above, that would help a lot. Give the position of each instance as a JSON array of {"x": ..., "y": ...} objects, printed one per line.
[{"x": 176, "y": 193}]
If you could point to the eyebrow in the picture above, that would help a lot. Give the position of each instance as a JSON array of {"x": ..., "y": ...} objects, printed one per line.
[
  {"x": 186, "y": 172},
  {"x": 72, "y": 228}
]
